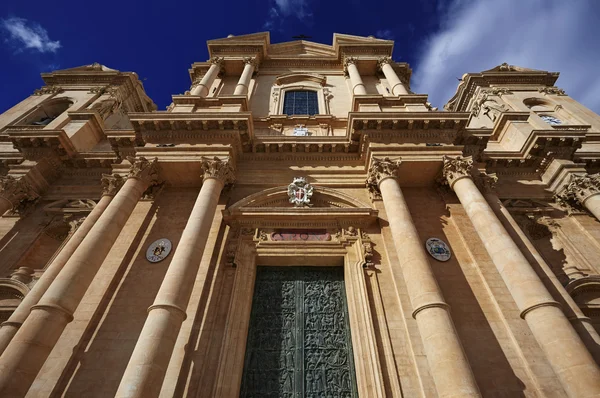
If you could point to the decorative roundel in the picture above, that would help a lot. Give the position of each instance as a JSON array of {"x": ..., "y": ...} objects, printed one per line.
[
  {"x": 438, "y": 249},
  {"x": 158, "y": 250}
]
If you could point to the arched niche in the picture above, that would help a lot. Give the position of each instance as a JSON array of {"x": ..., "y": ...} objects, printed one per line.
[{"x": 46, "y": 112}]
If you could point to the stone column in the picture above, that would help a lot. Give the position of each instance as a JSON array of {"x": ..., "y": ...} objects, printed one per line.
[
  {"x": 111, "y": 185},
  {"x": 571, "y": 361},
  {"x": 584, "y": 190},
  {"x": 201, "y": 88},
  {"x": 244, "y": 82},
  {"x": 146, "y": 369},
  {"x": 33, "y": 342},
  {"x": 13, "y": 191},
  {"x": 358, "y": 88},
  {"x": 398, "y": 88},
  {"x": 448, "y": 364}
]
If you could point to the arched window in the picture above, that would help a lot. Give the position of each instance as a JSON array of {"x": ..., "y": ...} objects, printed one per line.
[
  {"x": 45, "y": 113},
  {"x": 301, "y": 102}
]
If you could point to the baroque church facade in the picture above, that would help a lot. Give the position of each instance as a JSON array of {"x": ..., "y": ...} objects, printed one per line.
[{"x": 299, "y": 224}]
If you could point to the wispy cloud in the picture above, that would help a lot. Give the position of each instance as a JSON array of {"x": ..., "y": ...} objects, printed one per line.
[
  {"x": 475, "y": 35},
  {"x": 282, "y": 9},
  {"x": 386, "y": 34},
  {"x": 24, "y": 34}
]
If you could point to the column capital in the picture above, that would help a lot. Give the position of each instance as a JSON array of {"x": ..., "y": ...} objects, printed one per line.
[
  {"x": 486, "y": 182},
  {"x": 216, "y": 168},
  {"x": 456, "y": 168},
  {"x": 16, "y": 190},
  {"x": 381, "y": 169},
  {"x": 250, "y": 61},
  {"x": 143, "y": 169},
  {"x": 384, "y": 60},
  {"x": 216, "y": 61},
  {"x": 349, "y": 61},
  {"x": 580, "y": 188},
  {"x": 111, "y": 183}
]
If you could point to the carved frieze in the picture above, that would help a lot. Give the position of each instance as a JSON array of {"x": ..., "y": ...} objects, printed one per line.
[
  {"x": 552, "y": 90},
  {"x": 48, "y": 90}
]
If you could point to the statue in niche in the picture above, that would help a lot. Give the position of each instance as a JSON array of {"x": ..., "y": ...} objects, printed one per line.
[{"x": 106, "y": 108}]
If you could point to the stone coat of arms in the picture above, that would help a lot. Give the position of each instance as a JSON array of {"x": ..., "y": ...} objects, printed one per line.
[{"x": 300, "y": 192}]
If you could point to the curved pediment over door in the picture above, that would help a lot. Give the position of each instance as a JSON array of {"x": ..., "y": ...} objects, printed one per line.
[{"x": 272, "y": 207}]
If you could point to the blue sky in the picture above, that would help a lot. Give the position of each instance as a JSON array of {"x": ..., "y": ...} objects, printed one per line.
[{"x": 441, "y": 39}]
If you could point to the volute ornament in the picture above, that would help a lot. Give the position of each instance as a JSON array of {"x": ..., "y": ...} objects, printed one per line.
[
  {"x": 552, "y": 90},
  {"x": 219, "y": 169},
  {"x": 380, "y": 169},
  {"x": 143, "y": 169},
  {"x": 111, "y": 184},
  {"x": 382, "y": 61},
  {"x": 579, "y": 189},
  {"x": 16, "y": 190},
  {"x": 456, "y": 168}
]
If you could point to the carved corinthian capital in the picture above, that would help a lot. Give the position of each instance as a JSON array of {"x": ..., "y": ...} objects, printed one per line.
[
  {"x": 111, "y": 184},
  {"x": 143, "y": 169},
  {"x": 16, "y": 190},
  {"x": 382, "y": 61},
  {"x": 381, "y": 169},
  {"x": 218, "y": 169},
  {"x": 216, "y": 60},
  {"x": 456, "y": 168},
  {"x": 579, "y": 189},
  {"x": 486, "y": 182},
  {"x": 250, "y": 61},
  {"x": 349, "y": 61}
]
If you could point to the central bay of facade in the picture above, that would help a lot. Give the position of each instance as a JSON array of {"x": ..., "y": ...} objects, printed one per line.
[{"x": 299, "y": 223}]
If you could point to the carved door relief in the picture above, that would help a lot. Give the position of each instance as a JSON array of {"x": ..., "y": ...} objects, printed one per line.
[{"x": 299, "y": 337}]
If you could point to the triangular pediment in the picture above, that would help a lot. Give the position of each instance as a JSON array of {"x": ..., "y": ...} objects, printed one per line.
[
  {"x": 252, "y": 37},
  {"x": 505, "y": 67},
  {"x": 95, "y": 67},
  {"x": 301, "y": 48}
]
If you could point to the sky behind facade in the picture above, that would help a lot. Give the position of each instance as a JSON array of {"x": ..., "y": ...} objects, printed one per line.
[{"x": 440, "y": 39}]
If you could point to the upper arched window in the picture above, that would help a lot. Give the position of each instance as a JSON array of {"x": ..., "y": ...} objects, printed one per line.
[
  {"x": 537, "y": 104},
  {"x": 46, "y": 112},
  {"x": 301, "y": 102}
]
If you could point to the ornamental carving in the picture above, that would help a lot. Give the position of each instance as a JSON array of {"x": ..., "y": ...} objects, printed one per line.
[
  {"x": 382, "y": 61},
  {"x": 218, "y": 169},
  {"x": 580, "y": 188},
  {"x": 456, "y": 168},
  {"x": 349, "y": 61},
  {"x": 552, "y": 90},
  {"x": 491, "y": 108},
  {"x": 300, "y": 192},
  {"x": 111, "y": 184},
  {"x": 251, "y": 61},
  {"x": 16, "y": 191},
  {"x": 486, "y": 182},
  {"x": 216, "y": 60},
  {"x": 48, "y": 90},
  {"x": 143, "y": 169},
  {"x": 380, "y": 169}
]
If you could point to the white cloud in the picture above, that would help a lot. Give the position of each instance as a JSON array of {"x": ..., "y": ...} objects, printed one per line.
[
  {"x": 282, "y": 9},
  {"x": 475, "y": 35},
  {"x": 25, "y": 34}
]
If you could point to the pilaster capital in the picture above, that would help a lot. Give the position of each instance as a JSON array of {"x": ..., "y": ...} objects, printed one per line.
[
  {"x": 111, "y": 184},
  {"x": 383, "y": 61},
  {"x": 456, "y": 168},
  {"x": 486, "y": 182},
  {"x": 381, "y": 169},
  {"x": 143, "y": 169},
  {"x": 349, "y": 61},
  {"x": 580, "y": 188},
  {"x": 16, "y": 190},
  {"x": 221, "y": 170}
]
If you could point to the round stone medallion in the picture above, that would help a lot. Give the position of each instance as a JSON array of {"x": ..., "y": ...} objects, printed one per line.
[
  {"x": 438, "y": 249},
  {"x": 158, "y": 250}
]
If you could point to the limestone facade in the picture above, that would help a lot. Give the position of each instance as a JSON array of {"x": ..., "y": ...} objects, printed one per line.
[{"x": 506, "y": 175}]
